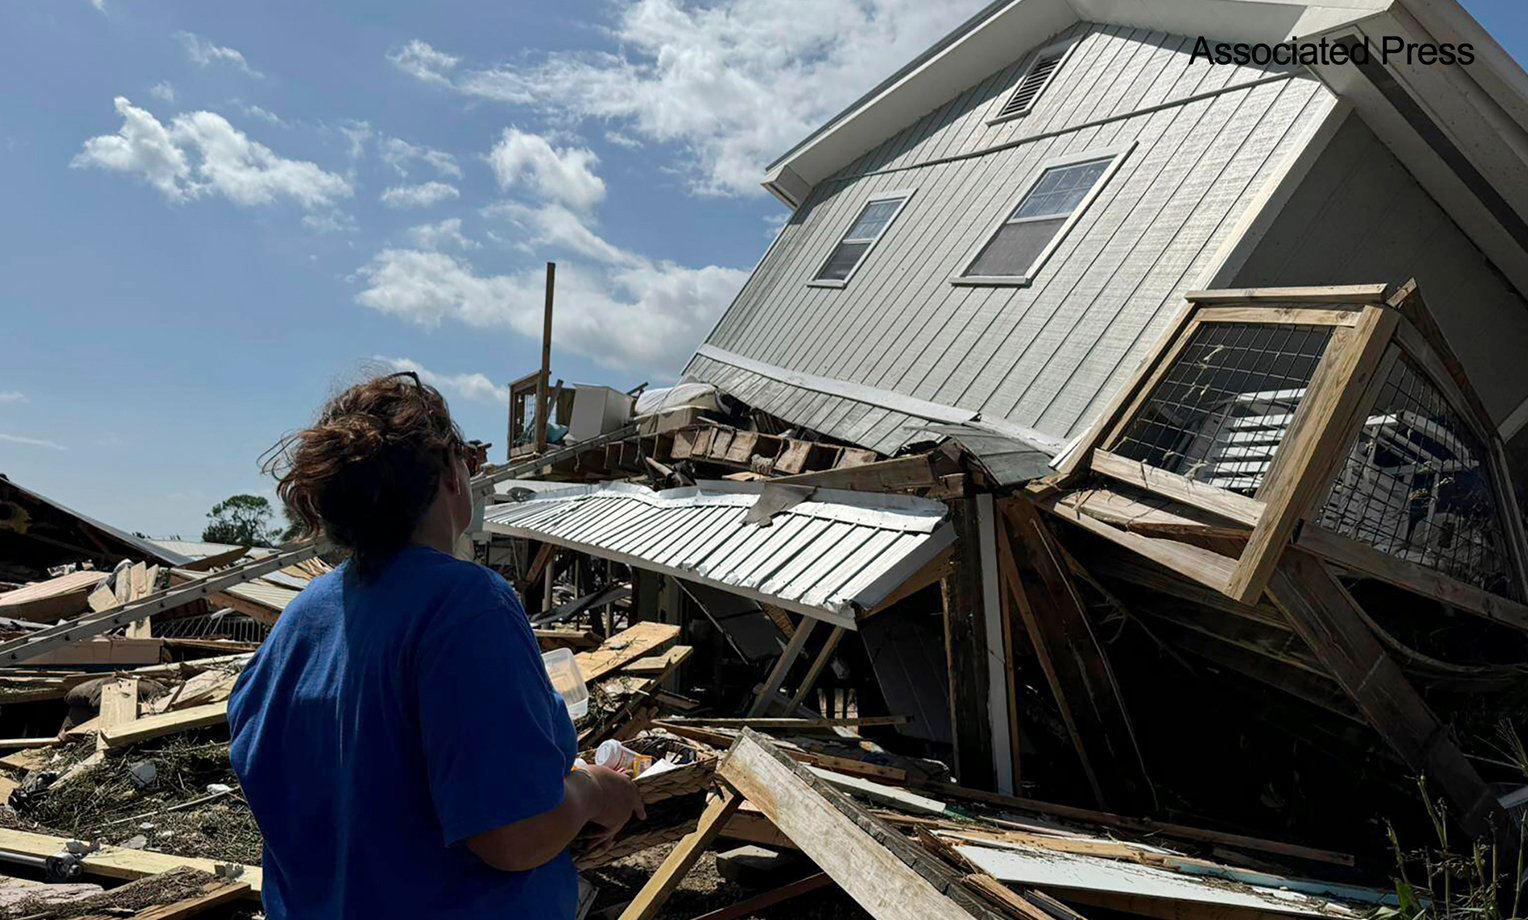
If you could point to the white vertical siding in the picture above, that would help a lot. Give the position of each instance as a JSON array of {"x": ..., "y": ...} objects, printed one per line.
[{"x": 1043, "y": 356}]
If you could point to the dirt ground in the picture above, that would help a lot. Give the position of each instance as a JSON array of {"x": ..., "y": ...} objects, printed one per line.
[{"x": 703, "y": 889}]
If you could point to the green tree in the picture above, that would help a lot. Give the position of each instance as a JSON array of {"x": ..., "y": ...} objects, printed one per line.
[{"x": 244, "y": 520}]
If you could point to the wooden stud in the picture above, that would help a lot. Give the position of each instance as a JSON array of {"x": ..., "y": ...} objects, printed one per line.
[
  {"x": 649, "y": 901},
  {"x": 782, "y": 666},
  {"x": 1313, "y": 445},
  {"x": 1326, "y": 616}
]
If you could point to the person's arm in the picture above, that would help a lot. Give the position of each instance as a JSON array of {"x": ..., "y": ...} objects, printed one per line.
[{"x": 595, "y": 795}]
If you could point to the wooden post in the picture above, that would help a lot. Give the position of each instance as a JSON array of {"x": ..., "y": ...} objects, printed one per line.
[
  {"x": 1075, "y": 663},
  {"x": 546, "y": 360},
  {"x": 782, "y": 667},
  {"x": 1325, "y": 615},
  {"x": 649, "y": 901},
  {"x": 824, "y": 655},
  {"x": 965, "y": 642}
]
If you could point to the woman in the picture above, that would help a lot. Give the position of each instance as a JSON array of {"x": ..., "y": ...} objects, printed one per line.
[{"x": 396, "y": 735}]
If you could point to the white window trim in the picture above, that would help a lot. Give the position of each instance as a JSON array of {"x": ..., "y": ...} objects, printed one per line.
[
  {"x": 906, "y": 194},
  {"x": 1071, "y": 45},
  {"x": 1117, "y": 155}
]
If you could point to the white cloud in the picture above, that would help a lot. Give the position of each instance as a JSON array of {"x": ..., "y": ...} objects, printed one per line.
[
  {"x": 12, "y": 396},
  {"x": 266, "y": 115},
  {"x": 30, "y": 442},
  {"x": 357, "y": 133},
  {"x": 418, "y": 196},
  {"x": 476, "y": 387},
  {"x": 399, "y": 153},
  {"x": 734, "y": 83},
  {"x": 163, "y": 91},
  {"x": 419, "y": 60},
  {"x": 555, "y": 225},
  {"x": 444, "y": 235},
  {"x": 99, "y": 4},
  {"x": 206, "y": 53},
  {"x": 633, "y": 314},
  {"x": 332, "y": 222},
  {"x": 564, "y": 174},
  {"x": 226, "y": 161}
]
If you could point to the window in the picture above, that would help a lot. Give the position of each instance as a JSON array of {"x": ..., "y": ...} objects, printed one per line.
[
  {"x": 872, "y": 221},
  {"x": 1025, "y": 238},
  {"x": 1047, "y": 62}
]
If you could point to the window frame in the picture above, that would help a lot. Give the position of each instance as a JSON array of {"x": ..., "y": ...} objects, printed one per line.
[
  {"x": 902, "y": 196},
  {"x": 1068, "y": 46},
  {"x": 1116, "y": 156}
]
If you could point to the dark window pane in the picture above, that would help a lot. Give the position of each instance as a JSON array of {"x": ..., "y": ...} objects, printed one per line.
[
  {"x": 1014, "y": 248},
  {"x": 842, "y": 261}
]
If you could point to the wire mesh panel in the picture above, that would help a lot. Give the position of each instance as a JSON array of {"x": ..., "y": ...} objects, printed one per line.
[
  {"x": 1416, "y": 486},
  {"x": 1221, "y": 410}
]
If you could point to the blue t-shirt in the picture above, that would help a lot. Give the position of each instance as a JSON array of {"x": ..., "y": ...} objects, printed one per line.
[{"x": 380, "y": 725}]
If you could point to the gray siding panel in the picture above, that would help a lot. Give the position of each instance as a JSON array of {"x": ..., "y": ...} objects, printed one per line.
[
  {"x": 1207, "y": 137},
  {"x": 1360, "y": 217}
]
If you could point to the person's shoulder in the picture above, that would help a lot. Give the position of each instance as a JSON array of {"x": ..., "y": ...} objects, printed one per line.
[{"x": 471, "y": 588}]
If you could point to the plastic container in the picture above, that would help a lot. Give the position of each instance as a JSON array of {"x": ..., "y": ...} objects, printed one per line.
[
  {"x": 622, "y": 759},
  {"x": 562, "y": 668}
]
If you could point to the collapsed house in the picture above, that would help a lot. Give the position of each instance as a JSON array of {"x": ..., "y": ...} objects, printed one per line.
[{"x": 1080, "y": 507}]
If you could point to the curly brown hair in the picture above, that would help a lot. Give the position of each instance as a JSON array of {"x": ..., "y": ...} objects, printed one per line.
[{"x": 365, "y": 472}]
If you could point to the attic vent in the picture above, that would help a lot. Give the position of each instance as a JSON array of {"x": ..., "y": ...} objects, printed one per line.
[{"x": 1034, "y": 82}]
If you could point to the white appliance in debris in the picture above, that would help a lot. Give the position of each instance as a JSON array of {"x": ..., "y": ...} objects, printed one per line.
[{"x": 597, "y": 411}]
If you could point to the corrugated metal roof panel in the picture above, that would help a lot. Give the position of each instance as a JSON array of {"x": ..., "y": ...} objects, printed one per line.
[{"x": 825, "y": 553}]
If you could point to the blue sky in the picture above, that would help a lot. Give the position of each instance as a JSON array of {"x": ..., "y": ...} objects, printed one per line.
[{"x": 215, "y": 213}]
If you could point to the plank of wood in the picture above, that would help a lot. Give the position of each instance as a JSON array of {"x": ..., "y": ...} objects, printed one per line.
[
  {"x": 649, "y": 901},
  {"x": 1323, "y": 612},
  {"x": 1311, "y": 449},
  {"x": 903, "y": 473},
  {"x": 1329, "y": 293},
  {"x": 212, "y": 895},
  {"x": 624, "y": 647},
  {"x": 119, "y": 707},
  {"x": 1404, "y": 573},
  {"x": 1143, "y": 825},
  {"x": 167, "y": 724},
  {"x": 886, "y": 874},
  {"x": 789, "y": 724},
  {"x": 120, "y": 862},
  {"x": 782, "y": 666},
  {"x": 213, "y": 686},
  {"x": 968, "y": 656},
  {"x": 901, "y": 799},
  {"x": 1073, "y": 660},
  {"x": 770, "y": 898},
  {"x": 814, "y": 671},
  {"x": 1193, "y": 562},
  {"x": 11, "y": 744},
  {"x": 1202, "y": 495}
]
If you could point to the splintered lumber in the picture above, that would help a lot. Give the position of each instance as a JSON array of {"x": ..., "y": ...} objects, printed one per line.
[
  {"x": 11, "y": 744},
  {"x": 117, "y": 862},
  {"x": 1143, "y": 825},
  {"x": 886, "y": 874},
  {"x": 214, "y": 686},
  {"x": 212, "y": 894},
  {"x": 1327, "y": 617},
  {"x": 53, "y": 599},
  {"x": 166, "y": 724},
  {"x": 637, "y": 681},
  {"x": 624, "y": 647},
  {"x": 1073, "y": 660},
  {"x": 649, "y": 901},
  {"x": 758, "y": 902}
]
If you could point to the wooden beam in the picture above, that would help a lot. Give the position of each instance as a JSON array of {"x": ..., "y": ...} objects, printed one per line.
[
  {"x": 119, "y": 862},
  {"x": 967, "y": 652},
  {"x": 824, "y": 655},
  {"x": 889, "y": 876},
  {"x": 166, "y": 724},
  {"x": 544, "y": 378},
  {"x": 782, "y": 666},
  {"x": 649, "y": 901},
  {"x": 623, "y": 648},
  {"x": 1331, "y": 293},
  {"x": 899, "y": 475},
  {"x": 1311, "y": 449},
  {"x": 1075, "y": 663},
  {"x": 1323, "y": 612}
]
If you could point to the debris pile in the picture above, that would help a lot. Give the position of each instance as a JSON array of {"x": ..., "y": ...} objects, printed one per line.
[{"x": 1189, "y": 667}]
